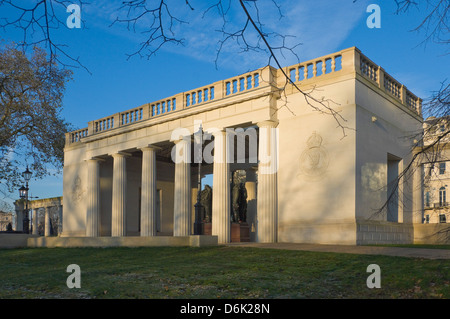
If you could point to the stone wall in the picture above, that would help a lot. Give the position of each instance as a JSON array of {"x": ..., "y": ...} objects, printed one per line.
[
  {"x": 432, "y": 234},
  {"x": 379, "y": 232}
]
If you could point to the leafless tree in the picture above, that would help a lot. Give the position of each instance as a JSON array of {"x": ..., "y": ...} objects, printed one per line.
[
  {"x": 38, "y": 22},
  {"x": 249, "y": 36},
  {"x": 434, "y": 139},
  {"x": 156, "y": 21},
  {"x": 435, "y": 24}
]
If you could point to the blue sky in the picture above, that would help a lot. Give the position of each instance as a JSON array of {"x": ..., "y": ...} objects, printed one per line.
[{"x": 322, "y": 26}]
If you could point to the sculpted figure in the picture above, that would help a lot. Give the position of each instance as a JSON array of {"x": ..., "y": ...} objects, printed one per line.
[
  {"x": 242, "y": 203},
  {"x": 206, "y": 201},
  {"x": 235, "y": 203},
  {"x": 239, "y": 203}
]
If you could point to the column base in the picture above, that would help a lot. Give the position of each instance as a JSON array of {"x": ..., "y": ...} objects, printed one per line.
[
  {"x": 240, "y": 232},
  {"x": 207, "y": 229}
]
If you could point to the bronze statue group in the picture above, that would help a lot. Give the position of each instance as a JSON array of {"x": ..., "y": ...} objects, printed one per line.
[{"x": 238, "y": 203}]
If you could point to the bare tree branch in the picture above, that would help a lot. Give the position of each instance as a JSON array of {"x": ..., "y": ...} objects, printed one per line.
[
  {"x": 319, "y": 105},
  {"x": 159, "y": 25},
  {"x": 38, "y": 24}
]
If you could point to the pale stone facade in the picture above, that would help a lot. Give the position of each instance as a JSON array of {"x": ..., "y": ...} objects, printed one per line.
[
  {"x": 306, "y": 182},
  {"x": 45, "y": 216},
  {"x": 436, "y": 166},
  {"x": 5, "y": 220}
]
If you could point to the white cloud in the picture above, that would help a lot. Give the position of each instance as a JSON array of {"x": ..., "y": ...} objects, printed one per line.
[{"x": 319, "y": 25}]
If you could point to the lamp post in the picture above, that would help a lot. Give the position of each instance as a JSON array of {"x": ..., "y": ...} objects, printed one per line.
[
  {"x": 23, "y": 193},
  {"x": 198, "y": 206}
]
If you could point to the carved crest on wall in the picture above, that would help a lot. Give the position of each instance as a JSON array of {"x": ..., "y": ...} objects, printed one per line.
[
  {"x": 314, "y": 159},
  {"x": 77, "y": 189}
]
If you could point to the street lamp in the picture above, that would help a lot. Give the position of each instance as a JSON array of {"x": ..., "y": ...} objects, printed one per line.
[
  {"x": 23, "y": 193},
  {"x": 198, "y": 206}
]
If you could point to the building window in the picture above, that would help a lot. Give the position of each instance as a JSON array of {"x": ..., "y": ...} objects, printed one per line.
[
  {"x": 442, "y": 218},
  {"x": 442, "y": 196},
  {"x": 442, "y": 168},
  {"x": 427, "y": 199},
  {"x": 427, "y": 219}
]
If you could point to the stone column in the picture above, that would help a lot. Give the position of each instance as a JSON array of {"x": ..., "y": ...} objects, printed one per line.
[
  {"x": 60, "y": 217},
  {"x": 19, "y": 215},
  {"x": 148, "y": 192},
  {"x": 93, "y": 199},
  {"x": 221, "y": 214},
  {"x": 182, "y": 189},
  {"x": 119, "y": 192},
  {"x": 267, "y": 202},
  {"x": 35, "y": 221},
  {"x": 47, "y": 231}
]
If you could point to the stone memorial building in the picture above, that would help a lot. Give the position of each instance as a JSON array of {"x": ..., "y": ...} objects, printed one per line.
[{"x": 307, "y": 179}]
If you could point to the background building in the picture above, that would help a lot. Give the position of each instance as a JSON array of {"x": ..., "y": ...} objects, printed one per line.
[
  {"x": 437, "y": 171},
  {"x": 5, "y": 219}
]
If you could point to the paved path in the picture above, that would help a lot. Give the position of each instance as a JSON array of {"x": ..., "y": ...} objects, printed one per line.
[{"x": 367, "y": 250}]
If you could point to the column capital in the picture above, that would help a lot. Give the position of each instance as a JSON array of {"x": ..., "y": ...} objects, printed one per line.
[
  {"x": 218, "y": 133},
  {"x": 150, "y": 147},
  {"x": 95, "y": 159},
  {"x": 213, "y": 130},
  {"x": 268, "y": 123},
  {"x": 185, "y": 139},
  {"x": 120, "y": 154}
]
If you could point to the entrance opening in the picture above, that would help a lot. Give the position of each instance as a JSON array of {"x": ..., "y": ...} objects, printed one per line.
[{"x": 392, "y": 187}]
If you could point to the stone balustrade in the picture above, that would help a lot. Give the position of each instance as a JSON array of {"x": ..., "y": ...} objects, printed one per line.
[
  {"x": 388, "y": 84},
  {"x": 76, "y": 136},
  {"x": 348, "y": 61},
  {"x": 313, "y": 68}
]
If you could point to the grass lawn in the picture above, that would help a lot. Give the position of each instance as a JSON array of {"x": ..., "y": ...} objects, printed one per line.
[{"x": 215, "y": 272}]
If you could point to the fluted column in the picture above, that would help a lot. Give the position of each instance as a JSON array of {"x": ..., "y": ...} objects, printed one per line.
[
  {"x": 60, "y": 217},
  {"x": 93, "y": 199},
  {"x": 221, "y": 214},
  {"x": 148, "y": 192},
  {"x": 182, "y": 189},
  {"x": 119, "y": 192},
  {"x": 35, "y": 221},
  {"x": 47, "y": 231},
  {"x": 267, "y": 201}
]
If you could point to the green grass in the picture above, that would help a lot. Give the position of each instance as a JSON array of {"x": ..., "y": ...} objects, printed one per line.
[
  {"x": 215, "y": 272},
  {"x": 425, "y": 246}
]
